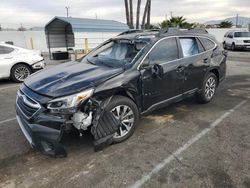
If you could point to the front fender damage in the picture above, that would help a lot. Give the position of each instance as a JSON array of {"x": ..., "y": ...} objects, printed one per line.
[
  {"x": 104, "y": 126},
  {"x": 93, "y": 114}
]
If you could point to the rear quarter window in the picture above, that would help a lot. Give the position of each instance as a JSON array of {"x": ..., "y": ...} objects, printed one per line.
[
  {"x": 5, "y": 50},
  {"x": 207, "y": 43}
]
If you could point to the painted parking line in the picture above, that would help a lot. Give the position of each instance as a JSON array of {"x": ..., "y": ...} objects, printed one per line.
[
  {"x": 190, "y": 142},
  {"x": 7, "y": 120},
  {"x": 3, "y": 88}
]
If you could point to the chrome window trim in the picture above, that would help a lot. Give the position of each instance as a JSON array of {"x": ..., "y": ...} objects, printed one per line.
[{"x": 215, "y": 46}]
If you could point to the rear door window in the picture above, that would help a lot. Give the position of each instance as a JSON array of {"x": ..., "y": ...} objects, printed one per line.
[
  {"x": 5, "y": 50},
  {"x": 207, "y": 43},
  {"x": 189, "y": 46},
  {"x": 164, "y": 51}
]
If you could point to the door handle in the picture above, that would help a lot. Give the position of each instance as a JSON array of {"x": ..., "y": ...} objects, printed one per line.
[
  {"x": 180, "y": 69},
  {"x": 205, "y": 60},
  {"x": 8, "y": 57}
]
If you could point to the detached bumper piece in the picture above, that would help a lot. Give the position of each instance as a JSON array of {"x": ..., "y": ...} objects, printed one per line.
[
  {"x": 42, "y": 138},
  {"x": 105, "y": 125}
]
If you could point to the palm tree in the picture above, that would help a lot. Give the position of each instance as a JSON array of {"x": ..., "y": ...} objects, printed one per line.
[
  {"x": 148, "y": 16},
  {"x": 178, "y": 21},
  {"x": 127, "y": 12},
  {"x": 145, "y": 14},
  {"x": 225, "y": 24},
  {"x": 138, "y": 13},
  {"x": 131, "y": 14}
]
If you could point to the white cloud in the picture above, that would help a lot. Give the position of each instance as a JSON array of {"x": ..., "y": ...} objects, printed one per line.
[{"x": 38, "y": 13}]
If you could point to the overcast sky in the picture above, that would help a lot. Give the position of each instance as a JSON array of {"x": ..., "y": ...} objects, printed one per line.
[{"x": 38, "y": 12}]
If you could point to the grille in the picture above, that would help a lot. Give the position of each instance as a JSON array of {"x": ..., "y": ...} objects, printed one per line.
[
  {"x": 246, "y": 41},
  {"x": 27, "y": 105}
]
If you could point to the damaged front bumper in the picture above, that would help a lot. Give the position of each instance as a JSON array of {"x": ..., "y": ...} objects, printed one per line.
[
  {"x": 41, "y": 137},
  {"x": 44, "y": 130}
]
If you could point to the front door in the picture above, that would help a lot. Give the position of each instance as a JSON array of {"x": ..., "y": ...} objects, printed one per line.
[{"x": 156, "y": 90}]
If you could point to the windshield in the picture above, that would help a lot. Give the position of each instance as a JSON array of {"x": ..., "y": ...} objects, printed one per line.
[
  {"x": 242, "y": 34},
  {"x": 116, "y": 52}
]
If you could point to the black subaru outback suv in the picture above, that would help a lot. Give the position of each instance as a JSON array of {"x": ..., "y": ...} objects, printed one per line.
[{"x": 127, "y": 76}]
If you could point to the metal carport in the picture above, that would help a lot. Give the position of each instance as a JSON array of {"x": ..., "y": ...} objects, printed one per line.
[{"x": 60, "y": 30}]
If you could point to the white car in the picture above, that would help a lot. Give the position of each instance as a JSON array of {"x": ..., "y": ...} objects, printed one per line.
[
  {"x": 18, "y": 63},
  {"x": 236, "y": 40}
]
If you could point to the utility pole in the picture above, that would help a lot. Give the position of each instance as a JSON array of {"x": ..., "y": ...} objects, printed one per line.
[
  {"x": 67, "y": 9},
  {"x": 171, "y": 14},
  {"x": 237, "y": 20}
]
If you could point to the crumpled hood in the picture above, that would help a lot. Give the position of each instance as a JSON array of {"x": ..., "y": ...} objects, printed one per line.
[{"x": 69, "y": 78}]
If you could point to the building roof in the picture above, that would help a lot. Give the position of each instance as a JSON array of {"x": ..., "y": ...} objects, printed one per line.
[{"x": 90, "y": 25}]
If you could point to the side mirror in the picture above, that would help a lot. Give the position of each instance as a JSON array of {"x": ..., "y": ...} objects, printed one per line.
[{"x": 157, "y": 71}]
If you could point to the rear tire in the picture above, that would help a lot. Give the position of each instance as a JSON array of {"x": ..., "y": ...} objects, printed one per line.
[
  {"x": 127, "y": 113},
  {"x": 208, "y": 88},
  {"x": 20, "y": 72}
]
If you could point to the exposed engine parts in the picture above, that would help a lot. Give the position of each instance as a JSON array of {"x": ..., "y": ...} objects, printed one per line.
[
  {"x": 82, "y": 120},
  {"x": 104, "y": 124}
]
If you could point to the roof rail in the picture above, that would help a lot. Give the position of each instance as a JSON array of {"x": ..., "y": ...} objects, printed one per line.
[
  {"x": 138, "y": 31},
  {"x": 176, "y": 30}
]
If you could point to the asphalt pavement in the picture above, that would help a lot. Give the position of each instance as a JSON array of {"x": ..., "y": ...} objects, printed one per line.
[{"x": 186, "y": 144}]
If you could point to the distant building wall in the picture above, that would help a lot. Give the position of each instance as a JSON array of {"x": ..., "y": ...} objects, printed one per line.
[{"x": 22, "y": 38}]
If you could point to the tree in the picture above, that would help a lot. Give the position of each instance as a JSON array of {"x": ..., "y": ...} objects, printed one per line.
[
  {"x": 178, "y": 21},
  {"x": 127, "y": 12},
  {"x": 131, "y": 14},
  {"x": 225, "y": 24},
  {"x": 138, "y": 13}
]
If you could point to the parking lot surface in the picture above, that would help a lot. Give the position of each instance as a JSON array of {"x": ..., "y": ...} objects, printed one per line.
[{"x": 184, "y": 145}]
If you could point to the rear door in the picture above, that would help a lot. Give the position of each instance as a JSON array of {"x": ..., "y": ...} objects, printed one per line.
[
  {"x": 156, "y": 91},
  {"x": 196, "y": 62},
  {"x": 6, "y": 60}
]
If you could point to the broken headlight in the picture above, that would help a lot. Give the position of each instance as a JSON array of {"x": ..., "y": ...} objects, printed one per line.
[{"x": 68, "y": 104}]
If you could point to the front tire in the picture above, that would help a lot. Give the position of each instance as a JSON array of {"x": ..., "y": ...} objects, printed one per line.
[
  {"x": 233, "y": 47},
  {"x": 208, "y": 88},
  {"x": 20, "y": 72},
  {"x": 224, "y": 46},
  {"x": 127, "y": 112}
]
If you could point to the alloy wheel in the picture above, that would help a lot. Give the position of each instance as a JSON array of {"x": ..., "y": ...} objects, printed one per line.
[
  {"x": 210, "y": 87},
  {"x": 21, "y": 73},
  {"x": 126, "y": 115}
]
